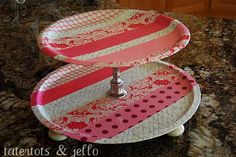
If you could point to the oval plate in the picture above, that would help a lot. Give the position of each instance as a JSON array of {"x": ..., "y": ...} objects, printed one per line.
[
  {"x": 114, "y": 38},
  {"x": 73, "y": 101}
]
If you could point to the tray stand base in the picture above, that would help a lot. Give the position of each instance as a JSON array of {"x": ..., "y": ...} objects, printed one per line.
[
  {"x": 177, "y": 132},
  {"x": 56, "y": 136}
]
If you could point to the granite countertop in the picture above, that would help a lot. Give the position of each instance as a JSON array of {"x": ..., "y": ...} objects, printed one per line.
[{"x": 210, "y": 58}]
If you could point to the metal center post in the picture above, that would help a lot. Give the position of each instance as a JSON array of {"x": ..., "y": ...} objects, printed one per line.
[{"x": 117, "y": 86}]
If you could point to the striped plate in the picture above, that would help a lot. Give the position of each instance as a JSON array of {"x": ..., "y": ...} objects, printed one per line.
[
  {"x": 73, "y": 101},
  {"x": 114, "y": 38}
]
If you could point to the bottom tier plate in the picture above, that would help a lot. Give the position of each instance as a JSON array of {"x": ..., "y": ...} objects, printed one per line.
[{"x": 73, "y": 101}]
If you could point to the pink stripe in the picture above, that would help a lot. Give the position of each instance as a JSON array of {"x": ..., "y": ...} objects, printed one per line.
[
  {"x": 160, "y": 23},
  {"x": 150, "y": 47},
  {"x": 135, "y": 113},
  {"x": 51, "y": 52},
  {"x": 45, "y": 97}
]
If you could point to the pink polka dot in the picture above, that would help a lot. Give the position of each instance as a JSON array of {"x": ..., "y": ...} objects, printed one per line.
[
  {"x": 169, "y": 87},
  {"x": 184, "y": 88},
  {"x": 105, "y": 132},
  {"x": 160, "y": 101},
  {"x": 114, "y": 126},
  {"x": 162, "y": 92},
  {"x": 127, "y": 110},
  {"x": 98, "y": 125},
  {"x": 184, "y": 77},
  {"x": 125, "y": 121},
  {"x": 168, "y": 97},
  {"x": 143, "y": 111},
  {"x": 108, "y": 120},
  {"x": 151, "y": 106},
  {"x": 88, "y": 130},
  {"x": 136, "y": 105},
  {"x": 177, "y": 83},
  {"x": 145, "y": 100},
  {"x": 153, "y": 96},
  {"x": 134, "y": 116},
  {"x": 177, "y": 92},
  {"x": 117, "y": 115}
]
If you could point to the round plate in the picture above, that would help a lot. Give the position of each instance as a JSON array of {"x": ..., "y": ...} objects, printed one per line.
[
  {"x": 114, "y": 38},
  {"x": 73, "y": 101}
]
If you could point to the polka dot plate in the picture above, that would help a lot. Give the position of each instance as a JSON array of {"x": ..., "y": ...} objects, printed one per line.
[{"x": 73, "y": 101}]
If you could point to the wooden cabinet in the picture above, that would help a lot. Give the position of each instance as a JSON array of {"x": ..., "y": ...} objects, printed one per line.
[
  {"x": 187, "y": 6},
  {"x": 224, "y": 8},
  {"x": 218, "y": 8},
  {"x": 224, "y": 5},
  {"x": 144, "y": 4}
]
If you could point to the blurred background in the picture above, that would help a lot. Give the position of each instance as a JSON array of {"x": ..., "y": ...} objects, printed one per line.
[{"x": 211, "y": 8}]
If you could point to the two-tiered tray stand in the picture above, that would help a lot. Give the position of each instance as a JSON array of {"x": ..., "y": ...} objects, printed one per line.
[{"x": 88, "y": 101}]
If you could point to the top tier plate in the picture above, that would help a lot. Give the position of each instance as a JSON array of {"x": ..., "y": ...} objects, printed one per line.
[{"x": 114, "y": 38}]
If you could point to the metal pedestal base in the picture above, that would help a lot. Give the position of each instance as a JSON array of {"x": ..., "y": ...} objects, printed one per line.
[{"x": 117, "y": 86}]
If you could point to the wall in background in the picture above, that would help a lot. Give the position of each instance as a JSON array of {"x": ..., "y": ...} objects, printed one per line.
[{"x": 212, "y": 8}]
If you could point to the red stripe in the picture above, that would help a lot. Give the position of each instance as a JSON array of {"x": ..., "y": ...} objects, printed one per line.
[
  {"x": 49, "y": 51},
  {"x": 44, "y": 97},
  {"x": 160, "y": 23},
  {"x": 156, "y": 46}
]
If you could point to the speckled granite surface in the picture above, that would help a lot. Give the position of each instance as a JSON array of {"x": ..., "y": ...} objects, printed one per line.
[{"x": 210, "y": 57}]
